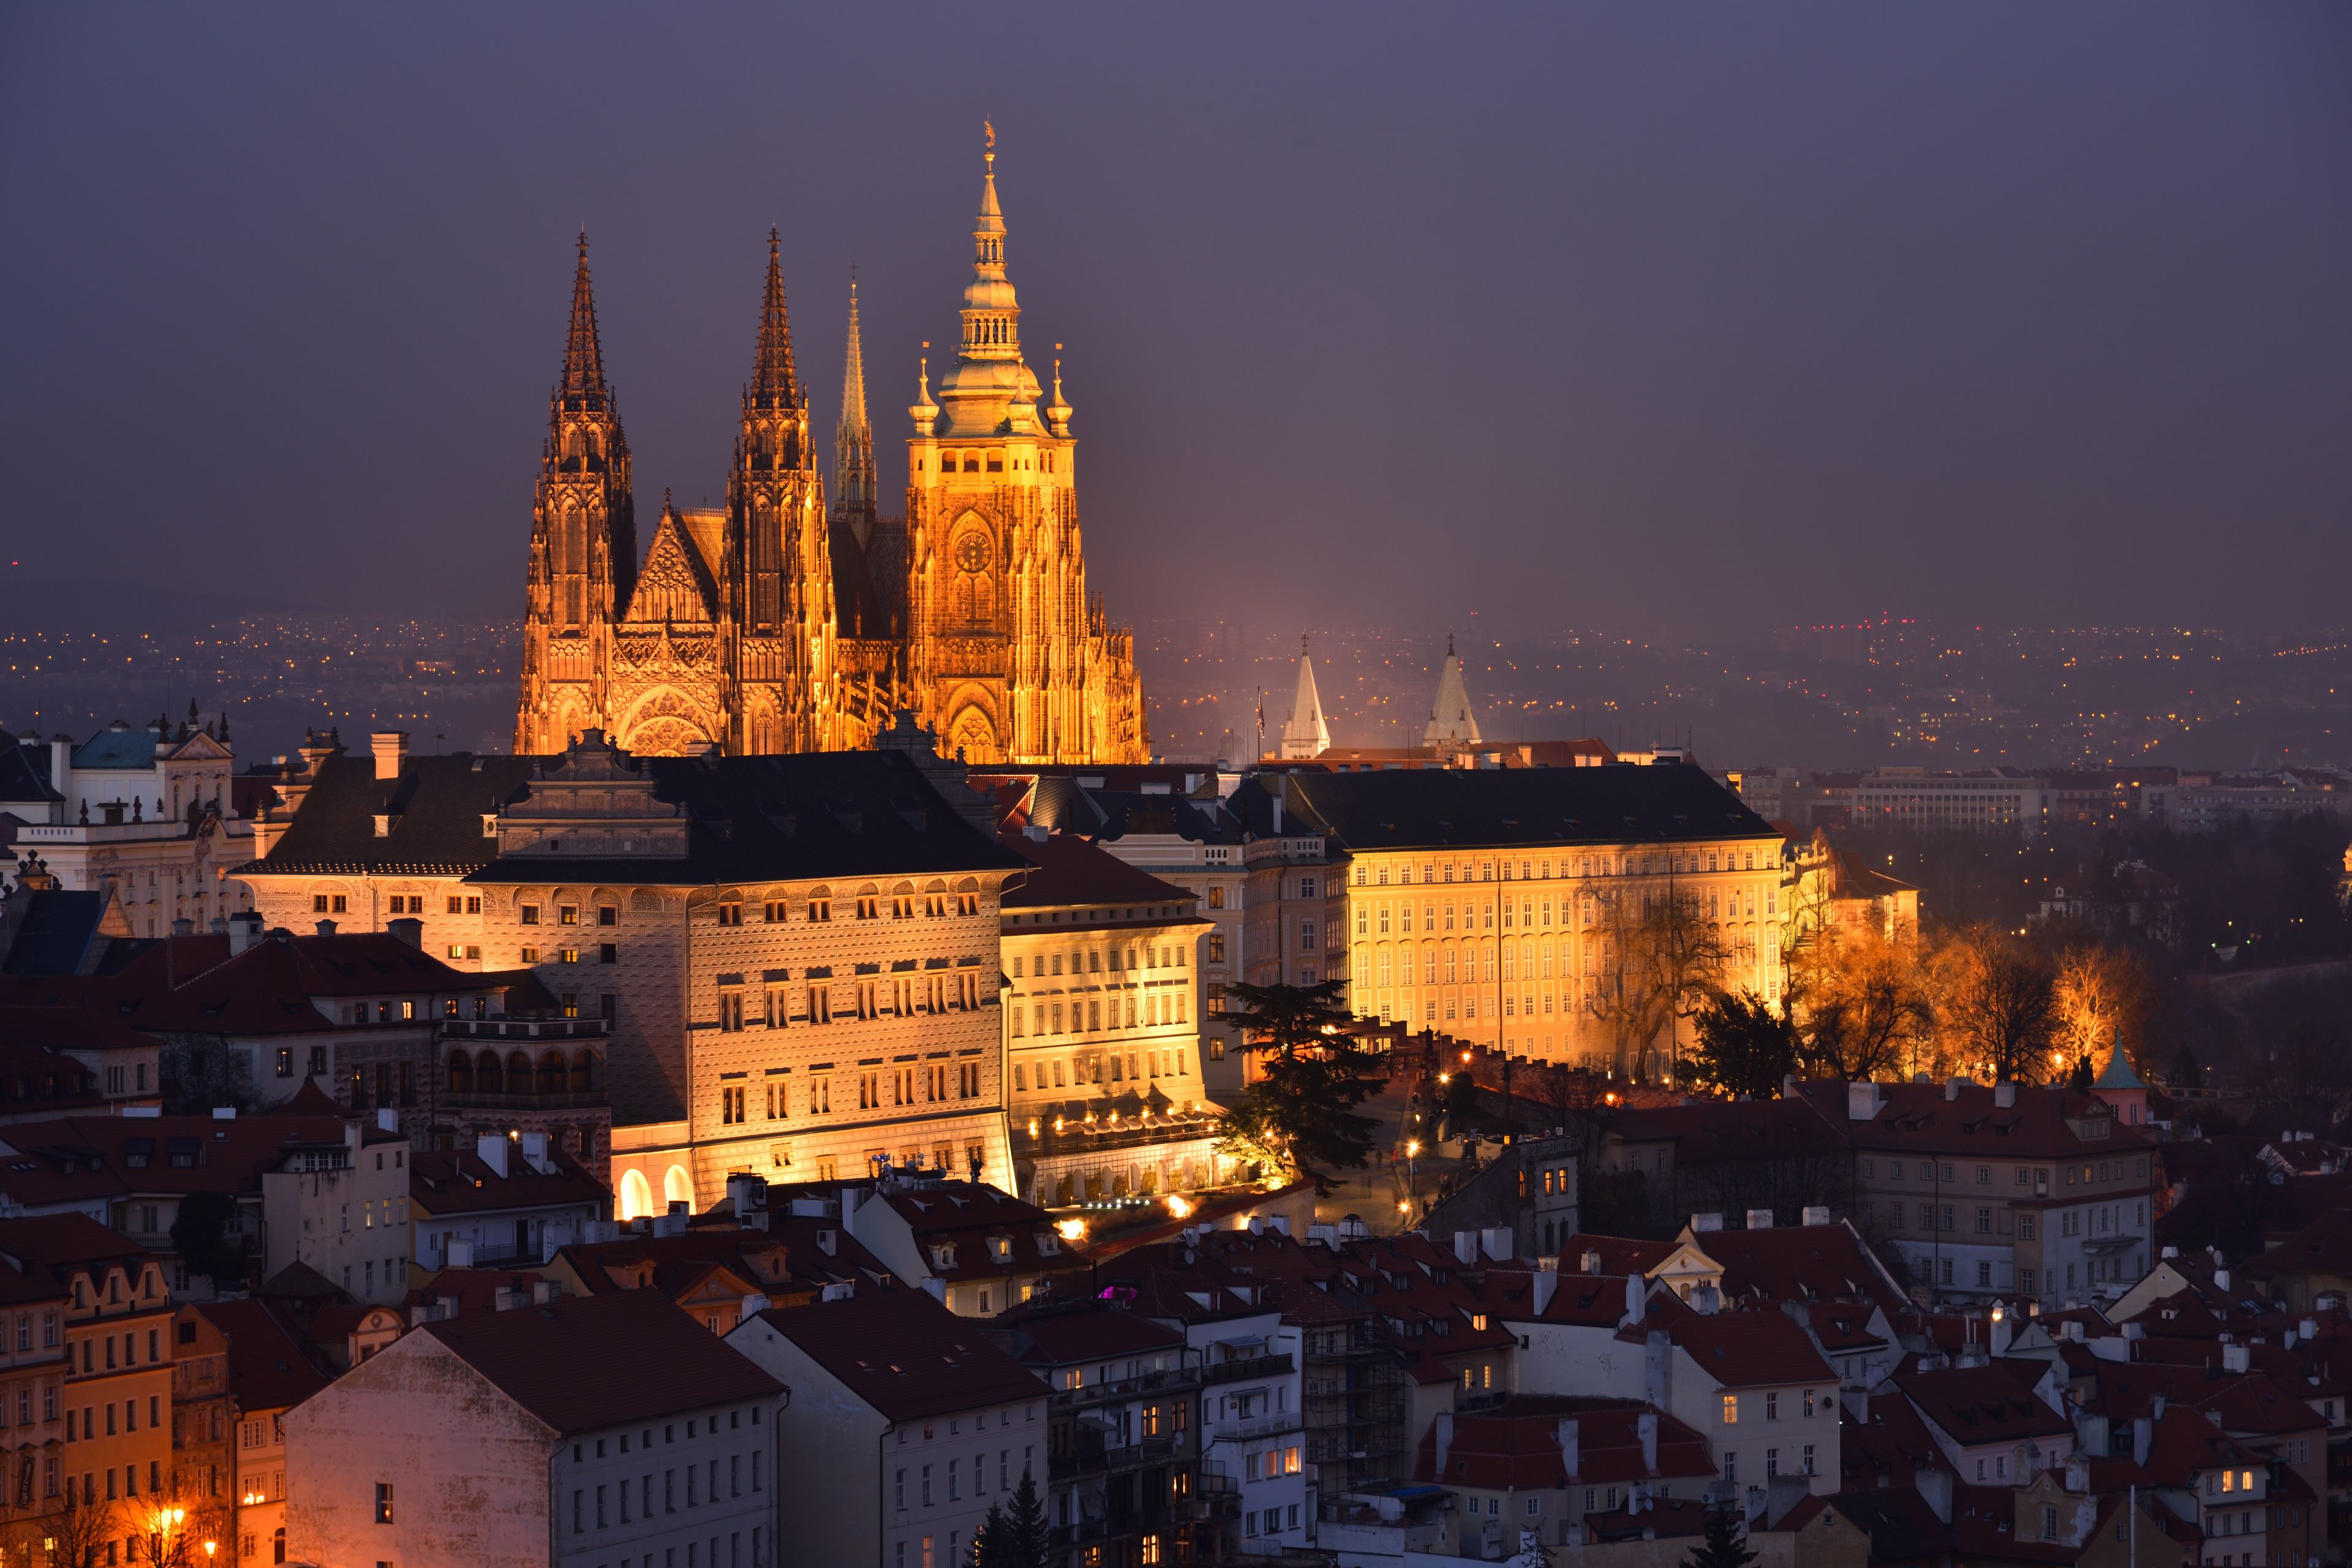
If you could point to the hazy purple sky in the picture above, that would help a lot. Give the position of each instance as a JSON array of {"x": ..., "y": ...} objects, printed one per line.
[{"x": 1654, "y": 316}]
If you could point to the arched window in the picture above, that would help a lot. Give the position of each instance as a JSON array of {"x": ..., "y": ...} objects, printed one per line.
[
  {"x": 584, "y": 1072},
  {"x": 518, "y": 1073},
  {"x": 636, "y": 1196},
  {"x": 487, "y": 1078},
  {"x": 461, "y": 1073},
  {"x": 552, "y": 1073},
  {"x": 677, "y": 1188}
]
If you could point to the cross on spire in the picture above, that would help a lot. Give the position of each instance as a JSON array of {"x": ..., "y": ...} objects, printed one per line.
[
  {"x": 584, "y": 354},
  {"x": 772, "y": 368}
]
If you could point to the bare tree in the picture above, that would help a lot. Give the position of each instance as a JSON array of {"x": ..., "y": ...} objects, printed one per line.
[
  {"x": 1662, "y": 959},
  {"x": 84, "y": 1531},
  {"x": 2101, "y": 996},
  {"x": 2002, "y": 1004},
  {"x": 1863, "y": 1006}
]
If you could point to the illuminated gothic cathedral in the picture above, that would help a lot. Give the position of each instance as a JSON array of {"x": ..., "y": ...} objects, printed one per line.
[{"x": 779, "y": 623}]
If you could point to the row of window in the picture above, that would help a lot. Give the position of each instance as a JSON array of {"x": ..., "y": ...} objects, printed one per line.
[
  {"x": 1929, "y": 1171},
  {"x": 1675, "y": 862},
  {"x": 1088, "y": 1069},
  {"x": 909, "y": 995},
  {"x": 1823, "y": 1403},
  {"x": 1149, "y": 1012},
  {"x": 1771, "y": 1464},
  {"x": 1090, "y": 961},
  {"x": 925, "y": 1488},
  {"x": 928, "y": 1083}
]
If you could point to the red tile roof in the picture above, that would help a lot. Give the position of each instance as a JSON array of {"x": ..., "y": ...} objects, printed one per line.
[
  {"x": 272, "y": 1365},
  {"x": 1044, "y": 1333},
  {"x": 1760, "y": 1348},
  {"x": 905, "y": 1355},
  {"x": 583, "y": 1364},
  {"x": 1518, "y": 1448},
  {"x": 1809, "y": 1263},
  {"x": 461, "y": 1182},
  {"x": 1989, "y": 1404},
  {"x": 1067, "y": 869}
]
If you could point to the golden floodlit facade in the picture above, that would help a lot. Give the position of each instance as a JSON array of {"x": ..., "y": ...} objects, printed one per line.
[{"x": 779, "y": 623}]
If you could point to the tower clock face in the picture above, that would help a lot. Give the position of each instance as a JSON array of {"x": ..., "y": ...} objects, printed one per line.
[{"x": 971, "y": 553}]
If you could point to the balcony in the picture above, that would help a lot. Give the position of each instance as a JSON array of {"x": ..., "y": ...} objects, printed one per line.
[
  {"x": 1092, "y": 1457},
  {"x": 1247, "y": 1368},
  {"x": 1272, "y": 1426},
  {"x": 475, "y": 1099},
  {"x": 549, "y": 1028}
]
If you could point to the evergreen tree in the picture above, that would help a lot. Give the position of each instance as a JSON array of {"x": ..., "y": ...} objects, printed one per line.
[
  {"x": 2184, "y": 1072},
  {"x": 2080, "y": 1079},
  {"x": 1299, "y": 1115},
  {"x": 992, "y": 1542},
  {"x": 1744, "y": 1047},
  {"x": 1724, "y": 1544},
  {"x": 1027, "y": 1541}
]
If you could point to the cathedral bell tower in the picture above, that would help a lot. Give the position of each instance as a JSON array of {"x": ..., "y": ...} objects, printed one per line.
[
  {"x": 583, "y": 549},
  {"x": 777, "y": 613}
]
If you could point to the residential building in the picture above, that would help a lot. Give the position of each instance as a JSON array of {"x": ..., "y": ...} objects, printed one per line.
[
  {"x": 118, "y": 1371},
  {"x": 482, "y": 1440},
  {"x": 1102, "y": 1027},
  {"x": 717, "y": 1278},
  {"x": 885, "y": 1456},
  {"x": 341, "y": 1206},
  {"x": 1121, "y": 1447},
  {"x": 34, "y": 1369},
  {"x": 1995, "y": 1422},
  {"x": 2007, "y": 1192},
  {"x": 270, "y": 1366},
  {"x": 1545, "y": 1464},
  {"x": 979, "y": 1249},
  {"x": 204, "y": 1435},
  {"x": 797, "y": 955},
  {"x": 508, "y": 1200}
]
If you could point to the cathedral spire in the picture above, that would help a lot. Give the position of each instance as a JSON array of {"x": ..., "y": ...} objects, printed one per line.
[
  {"x": 1451, "y": 722},
  {"x": 772, "y": 369},
  {"x": 1305, "y": 736},
  {"x": 853, "y": 456},
  {"x": 584, "y": 354},
  {"x": 992, "y": 311}
]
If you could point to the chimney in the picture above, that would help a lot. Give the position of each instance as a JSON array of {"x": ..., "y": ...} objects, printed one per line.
[
  {"x": 1571, "y": 1460},
  {"x": 1935, "y": 1491},
  {"x": 491, "y": 1149},
  {"x": 391, "y": 749},
  {"x": 1547, "y": 1285},
  {"x": 754, "y": 1304},
  {"x": 1497, "y": 1242},
  {"x": 1863, "y": 1102},
  {"x": 1658, "y": 1371},
  {"x": 1646, "y": 1425},
  {"x": 409, "y": 930},
  {"x": 2236, "y": 1358},
  {"x": 2004, "y": 1095},
  {"x": 2221, "y": 1280},
  {"x": 244, "y": 930},
  {"x": 326, "y": 928},
  {"x": 534, "y": 1154},
  {"x": 1816, "y": 1215},
  {"x": 827, "y": 1241},
  {"x": 387, "y": 1120},
  {"x": 1590, "y": 1262},
  {"x": 1637, "y": 1299},
  {"x": 2002, "y": 1330},
  {"x": 938, "y": 1288},
  {"x": 1706, "y": 1222},
  {"x": 1444, "y": 1440},
  {"x": 2143, "y": 1432},
  {"x": 182, "y": 926},
  {"x": 2156, "y": 1407},
  {"x": 545, "y": 1293},
  {"x": 457, "y": 1252},
  {"x": 1952, "y": 1087},
  {"x": 61, "y": 764},
  {"x": 1759, "y": 1219},
  {"x": 1465, "y": 1247},
  {"x": 2309, "y": 1328},
  {"x": 1705, "y": 1300}
]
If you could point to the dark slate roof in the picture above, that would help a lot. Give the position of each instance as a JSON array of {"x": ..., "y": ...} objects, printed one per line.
[
  {"x": 1121, "y": 812},
  {"x": 118, "y": 748},
  {"x": 906, "y": 1355},
  {"x": 822, "y": 815},
  {"x": 55, "y": 935},
  {"x": 1070, "y": 870},
  {"x": 25, "y": 770},
  {"x": 1504, "y": 807}
]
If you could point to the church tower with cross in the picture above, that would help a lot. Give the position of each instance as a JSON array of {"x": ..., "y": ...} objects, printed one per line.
[
  {"x": 779, "y": 622},
  {"x": 1011, "y": 658}
]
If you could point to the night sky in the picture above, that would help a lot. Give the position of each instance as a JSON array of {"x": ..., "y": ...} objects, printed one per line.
[{"x": 1665, "y": 319}]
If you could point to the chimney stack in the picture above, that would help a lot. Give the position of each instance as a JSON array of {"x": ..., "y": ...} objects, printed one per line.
[
  {"x": 1570, "y": 1461},
  {"x": 391, "y": 749},
  {"x": 491, "y": 1149},
  {"x": 1444, "y": 1438},
  {"x": 244, "y": 930}
]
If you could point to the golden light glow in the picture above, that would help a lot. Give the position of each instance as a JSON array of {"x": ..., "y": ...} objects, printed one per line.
[
  {"x": 1180, "y": 1205},
  {"x": 1413, "y": 1148},
  {"x": 1071, "y": 1230}
]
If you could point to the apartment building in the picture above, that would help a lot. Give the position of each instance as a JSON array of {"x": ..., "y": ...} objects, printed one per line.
[
  {"x": 906, "y": 1423},
  {"x": 2004, "y": 1192},
  {"x": 797, "y": 954},
  {"x": 340, "y": 1205},
  {"x": 32, "y": 1374},
  {"x": 117, "y": 1389},
  {"x": 482, "y": 1439},
  {"x": 1984, "y": 800}
]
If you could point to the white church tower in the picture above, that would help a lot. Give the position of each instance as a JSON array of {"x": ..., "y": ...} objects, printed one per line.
[
  {"x": 1305, "y": 736},
  {"x": 1450, "y": 720}
]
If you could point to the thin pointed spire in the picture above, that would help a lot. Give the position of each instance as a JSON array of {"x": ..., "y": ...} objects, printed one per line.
[
  {"x": 584, "y": 355},
  {"x": 1306, "y": 735},
  {"x": 772, "y": 369},
  {"x": 852, "y": 445}
]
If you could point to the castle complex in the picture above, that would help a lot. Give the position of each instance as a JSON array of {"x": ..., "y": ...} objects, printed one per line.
[{"x": 781, "y": 623}]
